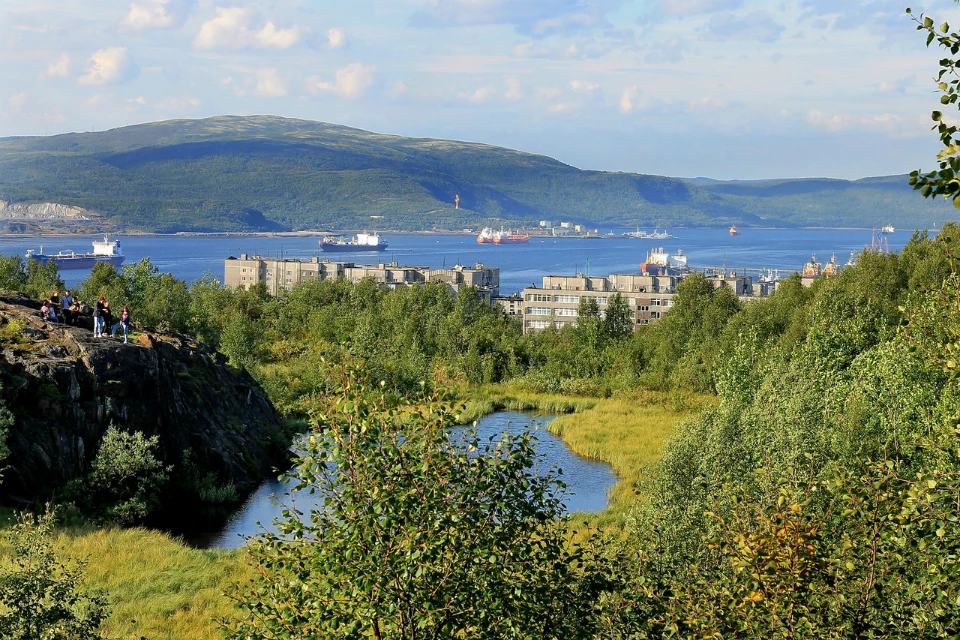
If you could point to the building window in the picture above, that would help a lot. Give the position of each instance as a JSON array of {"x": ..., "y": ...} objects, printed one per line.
[
  {"x": 643, "y": 307},
  {"x": 568, "y": 299},
  {"x": 568, "y": 313},
  {"x": 655, "y": 302},
  {"x": 538, "y": 311},
  {"x": 539, "y": 297},
  {"x": 538, "y": 324}
]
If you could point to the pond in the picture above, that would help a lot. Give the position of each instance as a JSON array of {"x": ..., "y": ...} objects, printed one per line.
[{"x": 588, "y": 483}]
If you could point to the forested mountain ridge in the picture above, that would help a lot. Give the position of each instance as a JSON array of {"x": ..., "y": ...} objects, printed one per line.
[{"x": 232, "y": 173}]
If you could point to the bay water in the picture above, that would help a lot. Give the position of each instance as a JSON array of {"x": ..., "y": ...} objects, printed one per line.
[{"x": 189, "y": 257}]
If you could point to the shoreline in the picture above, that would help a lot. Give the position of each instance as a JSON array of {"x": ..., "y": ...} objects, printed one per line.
[{"x": 320, "y": 234}]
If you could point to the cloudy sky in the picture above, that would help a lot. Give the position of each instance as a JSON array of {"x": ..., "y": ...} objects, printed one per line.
[{"x": 719, "y": 88}]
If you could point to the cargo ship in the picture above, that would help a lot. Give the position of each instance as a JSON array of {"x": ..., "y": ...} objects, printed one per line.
[
  {"x": 359, "y": 242},
  {"x": 490, "y": 236},
  {"x": 734, "y": 231},
  {"x": 107, "y": 251}
]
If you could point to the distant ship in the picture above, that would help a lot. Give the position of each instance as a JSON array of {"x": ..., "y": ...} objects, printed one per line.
[
  {"x": 643, "y": 235},
  {"x": 887, "y": 228},
  {"x": 105, "y": 251},
  {"x": 661, "y": 263},
  {"x": 359, "y": 242},
  {"x": 489, "y": 236},
  {"x": 734, "y": 231}
]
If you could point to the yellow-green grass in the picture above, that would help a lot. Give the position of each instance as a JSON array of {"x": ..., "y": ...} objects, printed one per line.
[
  {"x": 480, "y": 401},
  {"x": 627, "y": 431},
  {"x": 157, "y": 587}
]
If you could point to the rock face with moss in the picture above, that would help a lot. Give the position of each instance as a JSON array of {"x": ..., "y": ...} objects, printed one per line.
[{"x": 65, "y": 388}]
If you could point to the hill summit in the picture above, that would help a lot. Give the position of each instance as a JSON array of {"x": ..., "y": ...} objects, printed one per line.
[{"x": 266, "y": 173}]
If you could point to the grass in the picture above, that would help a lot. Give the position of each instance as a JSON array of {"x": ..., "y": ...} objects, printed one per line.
[
  {"x": 627, "y": 431},
  {"x": 158, "y": 587},
  {"x": 481, "y": 401}
]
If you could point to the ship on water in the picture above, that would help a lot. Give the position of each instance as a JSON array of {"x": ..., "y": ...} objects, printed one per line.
[
  {"x": 107, "y": 251},
  {"x": 644, "y": 235},
  {"x": 359, "y": 242},
  {"x": 887, "y": 229},
  {"x": 489, "y": 236},
  {"x": 734, "y": 231}
]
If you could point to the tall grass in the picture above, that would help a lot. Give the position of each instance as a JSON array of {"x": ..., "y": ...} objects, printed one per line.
[
  {"x": 626, "y": 431},
  {"x": 158, "y": 588},
  {"x": 481, "y": 401}
]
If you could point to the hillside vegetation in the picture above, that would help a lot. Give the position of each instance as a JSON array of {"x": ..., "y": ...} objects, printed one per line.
[{"x": 269, "y": 173}]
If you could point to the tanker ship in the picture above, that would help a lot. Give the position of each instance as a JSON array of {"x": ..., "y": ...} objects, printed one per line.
[
  {"x": 105, "y": 251},
  {"x": 359, "y": 242},
  {"x": 490, "y": 236}
]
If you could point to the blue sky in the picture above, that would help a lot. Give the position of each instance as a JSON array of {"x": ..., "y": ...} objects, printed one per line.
[{"x": 720, "y": 88}]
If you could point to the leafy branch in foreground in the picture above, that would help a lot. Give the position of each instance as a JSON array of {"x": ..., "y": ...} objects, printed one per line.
[
  {"x": 946, "y": 181},
  {"x": 420, "y": 533}
]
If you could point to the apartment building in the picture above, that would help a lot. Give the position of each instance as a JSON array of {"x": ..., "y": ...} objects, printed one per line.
[
  {"x": 556, "y": 304},
  {"x": 280, "y": 274}
]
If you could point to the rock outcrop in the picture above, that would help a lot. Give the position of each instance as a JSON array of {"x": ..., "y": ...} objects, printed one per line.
[
  {"x": 65, "y": 388},
  {"x": 43, "y": 211}
]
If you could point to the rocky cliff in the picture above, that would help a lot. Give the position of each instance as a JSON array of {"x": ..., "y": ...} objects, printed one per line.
[{"x": 65, "y": 388}]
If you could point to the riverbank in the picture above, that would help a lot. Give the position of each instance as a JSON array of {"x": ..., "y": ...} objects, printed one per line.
[{"x": 159, "y": 587}]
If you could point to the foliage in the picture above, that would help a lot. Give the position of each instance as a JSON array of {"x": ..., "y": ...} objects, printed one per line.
[
  {"x": 41, "y": 596},
  {"x": 417, "y": 536},
  {"x": 125, "y": 479},
  {"x": 31, "y": 277}
]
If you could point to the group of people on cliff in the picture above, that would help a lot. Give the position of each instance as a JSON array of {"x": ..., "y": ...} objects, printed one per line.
[
  {"x": 103, "y": 317},
  {"x": 70, "y": 308}
]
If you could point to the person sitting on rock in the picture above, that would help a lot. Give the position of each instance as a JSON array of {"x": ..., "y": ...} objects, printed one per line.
[
  {"x": 123, "y": 324},
  {"x": 48, "y": 311}
]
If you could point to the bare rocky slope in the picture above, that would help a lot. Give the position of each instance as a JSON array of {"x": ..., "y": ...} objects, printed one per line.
[{"x": 66, "y": 387}]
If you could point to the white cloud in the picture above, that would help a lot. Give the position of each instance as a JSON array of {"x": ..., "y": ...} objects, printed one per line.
[
  {"x": 155, "y": 14},
  {"x": 272, "y": 38},
  {"x": 562, "y": 107},
  {"x": 60, "y": 68},
  {"x": 888, "y": 122},
  {"x": 269, "y": 84},
  {"x": 514, "y": 92},
  {"x": 900, "y": 85},
  {"x": 336, "y": 38},
  {"x": 18, "y": 100},
  {"x": 230, "y": 29},
  {"x": 584, "y": 87},
  {"x": 349, "y": 82},
  {"x": 480, "y": 95},
  {"x": 109, "y": 66},
  {"x": 176, "y": 105},
  {"x": 627, "y": 100}
]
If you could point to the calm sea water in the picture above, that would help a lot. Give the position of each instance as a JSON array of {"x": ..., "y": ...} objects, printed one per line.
[
  {"x": 588, "y": 483},
  {"x": 189, "y": 257}
]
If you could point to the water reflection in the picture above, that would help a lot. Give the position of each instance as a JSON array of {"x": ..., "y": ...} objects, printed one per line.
[{"x": 588, "y": 483}]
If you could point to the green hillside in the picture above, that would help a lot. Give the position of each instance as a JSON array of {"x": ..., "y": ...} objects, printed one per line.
[{"x": 268, "y": 173}]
